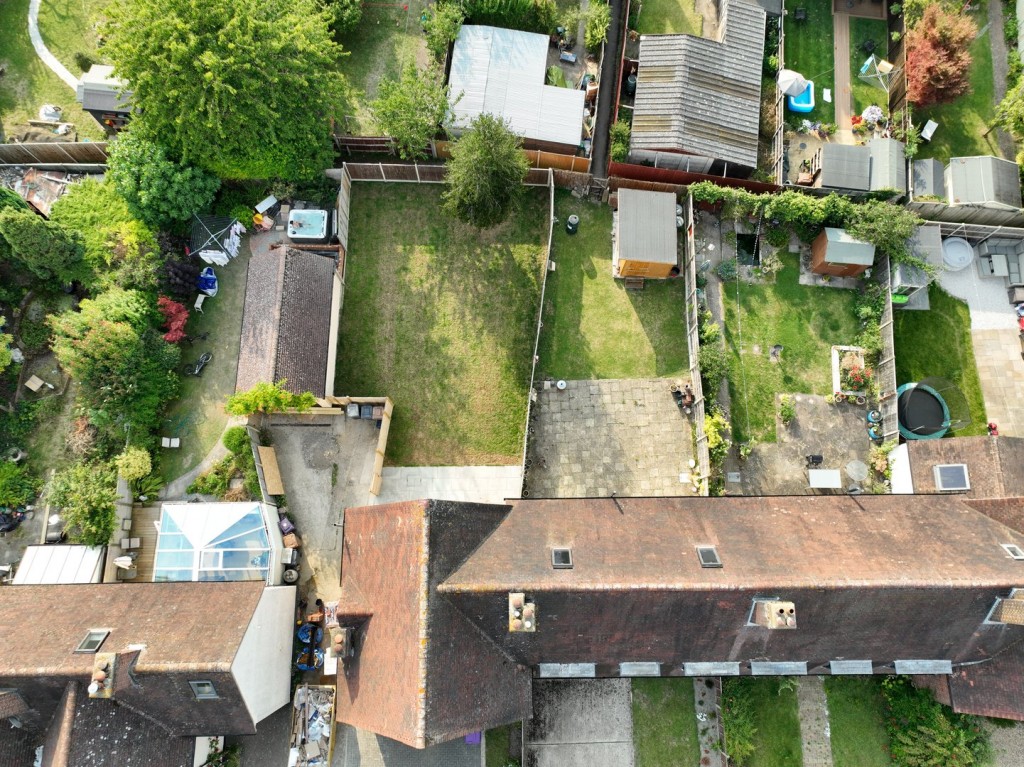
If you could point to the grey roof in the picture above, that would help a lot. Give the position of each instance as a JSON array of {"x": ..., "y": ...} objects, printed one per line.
[
  {"x": 879, "y": 164},
  {"x": 287, "y": 320},
  {"x": 988, "y": 181},
  {"x": 928, "y": 178},
  {"x": 845, "y": 249},
  {"x": 888, "y": 165},
  {"x": 846, "y": 167},
  {"x": 647, "y": 226},
  {"x": 703, "y": 96},
  {"x": 926, "y": 244},
  {"x": 99, "y": 99}
]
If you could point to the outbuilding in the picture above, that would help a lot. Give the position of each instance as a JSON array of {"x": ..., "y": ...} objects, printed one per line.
[
  {"x": 646, "y": 239},
  {"x": 835, "y": 252}
]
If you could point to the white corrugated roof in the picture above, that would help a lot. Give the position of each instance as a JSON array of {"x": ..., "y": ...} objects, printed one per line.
[
  {"x": 501, "y": 72},
  {"x": 57, "y": 563}
]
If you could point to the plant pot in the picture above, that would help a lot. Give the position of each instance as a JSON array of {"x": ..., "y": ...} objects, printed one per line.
[
  {"x": 839, "y": 397},
  {"x": 862, "y": 400}
]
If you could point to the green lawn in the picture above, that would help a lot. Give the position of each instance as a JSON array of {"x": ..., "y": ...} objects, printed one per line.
[
  {"x": 963, "y": 123},
  {"x": 593, "y": 326},
  {"x": 386, "y": 39},
  {"x": 667, "y": 17},
  {"x": 861, "y": 30},
  {"x": 496, "y": 742},
  {"x": 806, "y": 320},
  {"x": 70, "y": 27},
  {"x": 808, "y": 50},
  {"x": 776, "y": 719},
  {"x": 664, "y": 723},
  {"x": 441, "y": 317},
  {"x": 28, "y": 83},
  {"x": 855, "y": 708},
  {"x": 938, "y": 343},
  {"x": 197, "y": 418}
]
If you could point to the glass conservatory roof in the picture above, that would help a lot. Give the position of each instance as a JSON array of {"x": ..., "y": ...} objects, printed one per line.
[{"x": 212, "y": 542}]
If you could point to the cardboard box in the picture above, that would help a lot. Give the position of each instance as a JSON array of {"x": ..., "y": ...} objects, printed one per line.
[{"x": 291, "y": 541}]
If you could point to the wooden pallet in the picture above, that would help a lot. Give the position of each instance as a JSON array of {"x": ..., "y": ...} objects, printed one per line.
[{"x": 634, "y": 283}]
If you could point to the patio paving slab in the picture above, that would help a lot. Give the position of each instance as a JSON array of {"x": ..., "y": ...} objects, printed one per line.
[
  {"x": 815, "y": 732},
  {"x": 484, "y": 484},
  {"x": 595, "y": 438}
]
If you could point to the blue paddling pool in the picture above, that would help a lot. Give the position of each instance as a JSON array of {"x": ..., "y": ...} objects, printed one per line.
[{"x": 803, "y": 102}]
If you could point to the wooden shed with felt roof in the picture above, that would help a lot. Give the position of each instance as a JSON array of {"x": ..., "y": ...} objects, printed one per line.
[
  {"x": 646, "y": 239},
  {"x": 837, "y": 253}
]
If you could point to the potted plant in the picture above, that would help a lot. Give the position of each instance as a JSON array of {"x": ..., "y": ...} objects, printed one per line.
[{"x": 839, "y": 397}]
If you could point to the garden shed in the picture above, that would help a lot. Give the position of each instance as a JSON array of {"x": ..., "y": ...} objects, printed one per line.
[
  {"x": 104, "y": 96},
  {"x": 986, "y": 182},
  {"x": 645, "y": 243},
  {"x": 502, "y": 72},
  {"x": 835, "y": 252}
]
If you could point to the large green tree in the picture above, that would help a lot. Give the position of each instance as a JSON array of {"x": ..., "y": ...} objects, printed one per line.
[
  {"x": 485, "y": 173},
  {"x": 411, "y": 109},
  {"x": 243, "y": 89},
  {"x": 86, "y": 494},
  {"x": 157, "y": 190},
  {"x": 47, "y": 250}
]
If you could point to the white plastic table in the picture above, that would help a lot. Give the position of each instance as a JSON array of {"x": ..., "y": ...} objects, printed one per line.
[{"x": 822, "y": 479}]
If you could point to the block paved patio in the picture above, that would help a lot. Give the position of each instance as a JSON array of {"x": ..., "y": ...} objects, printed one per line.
[{"x": 596, "y": 438}]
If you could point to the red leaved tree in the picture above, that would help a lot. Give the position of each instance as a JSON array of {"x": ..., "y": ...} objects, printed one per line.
[
  {"x": 175, "y": 317},
  {"x": 938, "y": 57}
]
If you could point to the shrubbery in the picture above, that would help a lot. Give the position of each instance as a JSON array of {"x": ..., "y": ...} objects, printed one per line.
[
  {"x": 619, "y": 138},
  {"x": 924, "y": 732},
  {"x": 240, "y": 464},
  {"x": 442, "y": 27},
  {"x": 17, "y": 486},
  {"x": 86, "y": 494},
  {"x": 738, "y": 721},
  {"x": 525, "y": 15}
]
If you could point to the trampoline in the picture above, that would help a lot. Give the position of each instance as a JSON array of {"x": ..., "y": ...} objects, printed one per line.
[{"x": 923, "y": 413}]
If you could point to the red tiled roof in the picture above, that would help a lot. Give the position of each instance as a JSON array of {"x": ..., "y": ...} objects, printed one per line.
[
  {"x": 993, "y": 688},
  {"x": 422, "y": 673},
  {"x": 995, "y": 465}
]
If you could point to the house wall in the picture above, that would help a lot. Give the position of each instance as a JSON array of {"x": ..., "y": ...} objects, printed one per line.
[
  {"x": 644, "y": 269},
  {"x": 337, "y": 296},
  {"x": 820, "y": 264},
  {"x": 262, "y": 667}
]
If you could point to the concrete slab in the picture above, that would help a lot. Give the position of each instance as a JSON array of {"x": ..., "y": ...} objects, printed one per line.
[
  {"x": 985, "y": 296},
  {"x": 815, "y": 730},
  {"x": 595, "y": 438},
  {"x": 580, "y": 722},
  {"x": 487, "y": 484},
  {"x": 326, "y": 465},
  {"x": 361, "y": 748}
]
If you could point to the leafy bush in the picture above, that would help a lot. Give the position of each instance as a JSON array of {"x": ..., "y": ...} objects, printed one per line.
[
  {"x": 17, "y": 486},
  {"x": 345, "y": 14},
  {"x": 216, "y": 479},
  {"x": 727, "y": 270},
  {"x": 268, "y": 398},
  {"x": 134, "y": 464},
  {"x": 87, "y": 496},
  {"x": 777, "y": 236},
  {"x": 146, "y": 487},
  {"x": 442, "y": 27},
  {"x": 175, "y": 319},
  {"x": 619, "y": 137},
  {"x": 924, "y": 732},
  {"x": 738, "y": 721},
  {"x": 787, "y": 409},
  {"x": 44, "y": 249},
  {"x": 84, "y": 61},
  {"x": 595, "y": 22},
  {"x": 716, "y": 427},
  {"x": 713, "y": 368},
  {"x": 525, "y": 15},
  {"x": 709, "y": 333},
  {"x": 236, "y": 440}
]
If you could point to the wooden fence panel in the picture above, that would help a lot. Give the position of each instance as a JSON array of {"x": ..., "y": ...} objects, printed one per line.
[
  {"x": 343, "y": 205},
  {"x": 623, "y": 172}
]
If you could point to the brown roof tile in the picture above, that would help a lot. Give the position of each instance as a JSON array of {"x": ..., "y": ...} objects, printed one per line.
[
  {"x": 995, "y": 465},
  {"x": 1008, "y": 511},
  {"x": 166, "y": 617},
  {"x": 286, "y": 322},
  {"x": 993, "y": 688},
  {"x": 422, "y": 673},
  {"x": 11, "y": 704}
]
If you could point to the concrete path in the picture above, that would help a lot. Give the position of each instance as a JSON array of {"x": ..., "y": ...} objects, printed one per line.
[
  {"x": 843, "y": 96},
  {"x": 994, "y": 26},
  {"x": 1007, "y": 746},
  {"x": 706, "y": 696},
  {"x": 43, "y": 52},
  {"x": 486, "y": 484},
  {"x": 580, "y": 723},
  {"x": 606, "y": 90},
  {"x": 815, "y": 736}
]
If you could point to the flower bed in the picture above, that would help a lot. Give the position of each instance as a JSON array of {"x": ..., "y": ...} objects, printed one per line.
[{"x": 850, "y": 376}]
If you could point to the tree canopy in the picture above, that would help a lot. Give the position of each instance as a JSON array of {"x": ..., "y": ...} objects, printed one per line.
[
  {"x": 939, "y": 57},
  {"x": 242, "y": 89},
  {"x": 268, "y": 398},
  {"x": 485, "y": 173},
  {"x": 411, "y": 109},
  {"x": 157, "y": 190},
  {"x": 44, "y": 248},
  {"x": 87, "y": 497}
]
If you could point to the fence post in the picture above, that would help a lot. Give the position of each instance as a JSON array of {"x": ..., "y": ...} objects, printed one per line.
[
  {"x": 380, "y": 166},
  {"x": 416, "y": 165}
]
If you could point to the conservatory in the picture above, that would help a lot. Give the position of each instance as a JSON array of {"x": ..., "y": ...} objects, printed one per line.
[{"x": 218, "y": 542}]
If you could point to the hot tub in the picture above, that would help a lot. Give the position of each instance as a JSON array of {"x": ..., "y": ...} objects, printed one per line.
[
  {"x": 308, "y": 225},
  {"x": 804, "y": 102},
  {"x": 957, "y": 253}
]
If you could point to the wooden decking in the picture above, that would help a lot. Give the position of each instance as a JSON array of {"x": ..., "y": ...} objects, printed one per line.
[
  {"x": 864, "y": 9},
  {"x": 144, "y": 522}
]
